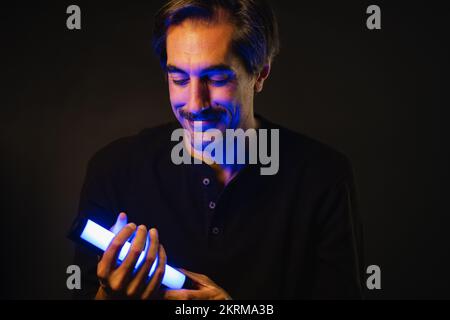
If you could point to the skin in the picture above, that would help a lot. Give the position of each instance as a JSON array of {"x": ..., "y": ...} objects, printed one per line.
[
  {"x": 204, "y": 73},
  {"x": 120, "y": 281},
  {"x": 208, "y": 83}
]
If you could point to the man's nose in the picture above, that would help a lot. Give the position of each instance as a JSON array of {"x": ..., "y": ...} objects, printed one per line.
[{"x": 198, "y": 96}]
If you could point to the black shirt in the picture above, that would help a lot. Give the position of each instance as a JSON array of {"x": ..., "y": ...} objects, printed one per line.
[{"x": 293, "y": 235}]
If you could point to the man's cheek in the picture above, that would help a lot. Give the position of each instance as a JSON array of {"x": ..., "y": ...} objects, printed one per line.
[
  {"x": 176, "y": 100},
  {"x": 176, "y": 93},
  {"x": 225, "y": 99},
  {"x": 227, "y": 93},
  {"x": 172, "y": 95}
]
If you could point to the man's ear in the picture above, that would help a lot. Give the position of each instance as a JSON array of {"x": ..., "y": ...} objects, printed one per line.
[{"x": 262, "y": 76}]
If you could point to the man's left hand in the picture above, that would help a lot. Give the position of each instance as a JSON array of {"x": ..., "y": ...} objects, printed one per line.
[{"x": 205, "y": 289}]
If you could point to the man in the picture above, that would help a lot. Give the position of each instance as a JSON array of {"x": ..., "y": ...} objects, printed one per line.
[{"x": 290, "y": 235}]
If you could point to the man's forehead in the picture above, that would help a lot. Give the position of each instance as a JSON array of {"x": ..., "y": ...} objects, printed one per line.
[{"x": 192, "y": 41}]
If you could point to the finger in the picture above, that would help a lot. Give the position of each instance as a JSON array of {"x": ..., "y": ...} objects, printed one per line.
[
  {"x": 137, "y": 283},
  {"x": 140, "y": 279},
  {"x": 120, "y": 277},
  {"x": 185, "y": 295},
  {"x": 176, "y": 294},
  {"x": 196, "y": 277},
  {"x": 137, "y": 246},
  {"x": 155, "y": 281},
  {"x": 109, "y": 258},
  {"x": 121, "y": 222},
  {"x": 154, "y": 248}
]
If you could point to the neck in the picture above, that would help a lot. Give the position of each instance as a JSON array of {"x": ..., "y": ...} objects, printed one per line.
[{"x": 225, "y": 172}]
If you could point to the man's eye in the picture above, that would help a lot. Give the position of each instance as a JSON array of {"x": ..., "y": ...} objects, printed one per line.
[
  {"x": 219, "y": 81},
  {"x": 180, "y": 82}
]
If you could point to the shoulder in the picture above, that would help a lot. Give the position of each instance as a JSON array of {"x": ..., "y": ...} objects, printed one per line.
[
  {"x": 120, "y": 151},
  {"x": 312, "y": 158}
]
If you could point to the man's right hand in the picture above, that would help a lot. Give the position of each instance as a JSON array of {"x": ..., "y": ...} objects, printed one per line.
[{"x": 123, "y": 281}]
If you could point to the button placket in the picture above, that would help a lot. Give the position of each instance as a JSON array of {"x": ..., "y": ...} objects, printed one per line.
[
  {"x": 206, "y": 182},
  {"x": 215, "y": 231},
  {"x": 211, "y": 195}
]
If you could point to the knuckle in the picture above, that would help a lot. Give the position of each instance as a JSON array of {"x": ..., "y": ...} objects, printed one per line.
[
  {"x": 101, "y": 275},
  {"x": 131, "y": 292},
  {"x": 150, "y": 258},
  {"x": 159, "y": 273},
  {"x": 101, "y": 271},
  {"x": 161, "y": 268},
  {"x": 134, "y": 251},
  {"x": 148, "y": 292},
  {"x": 145, "y": 296},
  {"x": 116, "y": 285},
  {"x": 115, "y": 244}
]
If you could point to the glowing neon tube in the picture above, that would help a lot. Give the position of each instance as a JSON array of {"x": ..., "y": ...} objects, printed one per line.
[{"x": 100, "y": 238}]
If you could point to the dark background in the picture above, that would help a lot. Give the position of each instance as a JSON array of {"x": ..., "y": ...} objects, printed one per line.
[{"x": 378, "y": 96}]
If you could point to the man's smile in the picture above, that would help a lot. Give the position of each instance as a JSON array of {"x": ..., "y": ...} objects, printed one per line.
[
  {"x": 204, "y": 125},
  {"x": 202, "y": 122}
]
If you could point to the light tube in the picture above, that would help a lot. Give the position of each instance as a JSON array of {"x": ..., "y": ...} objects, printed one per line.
[{"x": 101, "y": 238}]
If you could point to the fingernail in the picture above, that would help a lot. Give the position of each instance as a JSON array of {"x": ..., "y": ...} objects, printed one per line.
[
  {"x": 142, "y": 227},
  {"x": 132, "y": 225},
  {"x": 122, "y": 215},
  {"x": 153, "y": 233}
]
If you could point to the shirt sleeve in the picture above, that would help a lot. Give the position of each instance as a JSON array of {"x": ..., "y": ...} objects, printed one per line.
[
  {"x": 339, "y": 244},
  {"x": 98, "y": 202}
]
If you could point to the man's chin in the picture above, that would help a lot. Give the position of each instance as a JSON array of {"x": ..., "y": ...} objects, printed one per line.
[
  {"x": 199, "y": 147},
  {"x": 200, "y": 140}
]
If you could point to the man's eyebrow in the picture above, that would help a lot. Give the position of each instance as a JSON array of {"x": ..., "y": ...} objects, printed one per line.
[
  {"x": 218, "y": 68},
  {"x": 172, "y": 69},
  {"x": 212, "y": 69}
]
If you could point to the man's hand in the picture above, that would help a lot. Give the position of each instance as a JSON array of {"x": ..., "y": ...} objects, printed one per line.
[
  {"x": 124, "y": 281},
  {"x": 205, "y": 289}
]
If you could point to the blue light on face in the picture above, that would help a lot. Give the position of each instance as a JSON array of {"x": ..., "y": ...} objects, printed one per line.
[{"x": 101, "y": 238}]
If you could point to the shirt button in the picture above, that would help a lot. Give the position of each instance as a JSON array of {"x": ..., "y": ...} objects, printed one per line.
[
  {"x": 212, "y": 205},
  {"x": 206, "y": 181},
  {"x": 215, "y": 231}
]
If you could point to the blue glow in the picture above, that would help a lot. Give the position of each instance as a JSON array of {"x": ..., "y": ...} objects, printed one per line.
[{"x": 101, "y": 238}]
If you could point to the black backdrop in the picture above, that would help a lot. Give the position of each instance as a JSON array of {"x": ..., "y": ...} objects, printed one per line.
[{"x": 378, "y": 96}]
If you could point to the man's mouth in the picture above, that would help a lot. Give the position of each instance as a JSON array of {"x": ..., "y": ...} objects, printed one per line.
[
  {"x": 203, "y": 121},
  {"x": 201, "y": 125}
]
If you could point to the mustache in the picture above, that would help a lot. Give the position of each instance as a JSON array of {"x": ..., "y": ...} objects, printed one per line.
[{"x": 208, "y": 114}]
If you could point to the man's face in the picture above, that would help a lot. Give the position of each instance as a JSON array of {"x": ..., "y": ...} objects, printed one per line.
[{"x": 208, "y": 83}]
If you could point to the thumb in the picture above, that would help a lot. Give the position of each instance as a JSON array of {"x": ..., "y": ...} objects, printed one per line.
[
  {"x": 196, "y": 277},
  {"x": 121, "y": 222}
]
